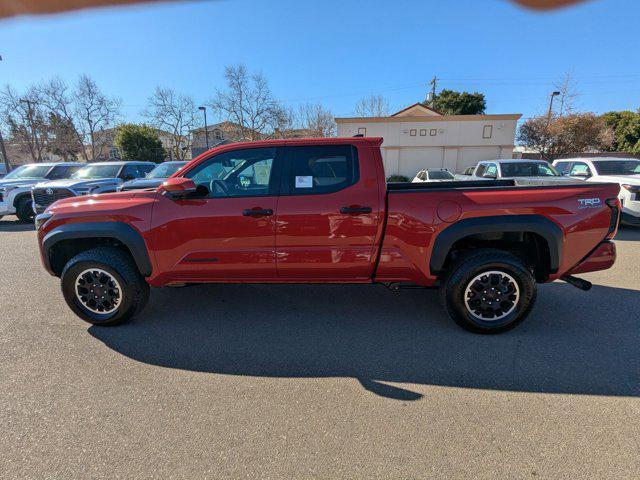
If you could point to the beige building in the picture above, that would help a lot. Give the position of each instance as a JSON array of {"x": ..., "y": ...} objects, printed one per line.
[{"x": 419, "y": 137}]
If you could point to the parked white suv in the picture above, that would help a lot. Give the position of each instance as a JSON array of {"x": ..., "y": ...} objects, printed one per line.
[
  {"x": 433, "y": 175},
  {"x": 623, "y": 171},
  {"x": 15, "y": 187}
]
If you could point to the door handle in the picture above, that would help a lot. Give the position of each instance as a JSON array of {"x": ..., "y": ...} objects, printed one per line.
[
  {"x": 249, "y": 212},
  {"x": 355, "y": 210}
]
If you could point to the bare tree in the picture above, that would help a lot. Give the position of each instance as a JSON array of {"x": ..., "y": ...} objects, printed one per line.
[
  {"x": 248, "y": 102},
  {"x": 175, "y": 113},
  {"x": 372, "y": 106},
  {"x": 94, "y": 112},
  {"x": 26, "y": 119},
  {"x": 317, "y": 119},
  {"x": 59, "y": 101},
  {"x": 569, "y": 134},
  {"x": 569, "y": 94}
]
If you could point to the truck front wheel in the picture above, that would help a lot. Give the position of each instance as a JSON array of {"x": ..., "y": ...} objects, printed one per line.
[
  {"x": 103, "y": 286},
  {"x": 488, "y": 291}
]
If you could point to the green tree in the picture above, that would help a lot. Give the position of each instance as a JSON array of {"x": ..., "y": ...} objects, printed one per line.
[
  {"x": 139, "y": 142},
  {"x": 626, "y": 130},
  {"x": 450, "y": 102},
  {"x": 63, "y": 137}
]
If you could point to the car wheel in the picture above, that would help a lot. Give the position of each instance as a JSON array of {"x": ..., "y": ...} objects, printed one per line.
[
  {"x": 103, "y": 286},
  {"x": 24, "y": 211},
  {"x": 488, "y": 291}
]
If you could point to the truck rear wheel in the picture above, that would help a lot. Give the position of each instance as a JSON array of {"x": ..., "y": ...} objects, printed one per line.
[
  {"x": 489, "y": 291},
  {"x": 103, "y": 286},
  {"x": 24, "y": 210}
]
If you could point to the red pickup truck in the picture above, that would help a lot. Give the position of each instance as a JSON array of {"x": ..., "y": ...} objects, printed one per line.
[{"x": 320, "y": 211}]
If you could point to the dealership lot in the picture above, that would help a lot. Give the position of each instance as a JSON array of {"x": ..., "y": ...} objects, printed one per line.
[{"x": 317, "y": 382}]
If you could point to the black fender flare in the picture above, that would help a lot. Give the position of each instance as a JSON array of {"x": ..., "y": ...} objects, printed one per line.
[
  {"x": 124, "y": 233},
  {"x": 538, "y": 224}
]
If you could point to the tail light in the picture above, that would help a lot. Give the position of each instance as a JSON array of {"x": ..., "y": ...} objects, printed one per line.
[{"x": 614, "y": 205}]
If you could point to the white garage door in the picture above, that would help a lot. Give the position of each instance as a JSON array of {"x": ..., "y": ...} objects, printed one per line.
[{"x": 412, "y": 160}]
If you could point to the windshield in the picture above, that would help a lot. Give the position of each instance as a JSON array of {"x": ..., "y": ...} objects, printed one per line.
[
  {"x": 29, "y": 171},
  {"x": 528, "y": 169},
  {"x": 440, "y": 175},
  {"x": 618, "y": 167},
  {"x": 97, "y": 171},
  {"x": 165, "y": 170}
]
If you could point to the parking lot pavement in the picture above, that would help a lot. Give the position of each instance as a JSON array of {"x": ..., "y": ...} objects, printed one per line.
[{"x": 317, "y": 382}]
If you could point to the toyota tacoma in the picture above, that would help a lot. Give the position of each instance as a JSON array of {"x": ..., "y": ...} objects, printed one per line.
[{"x": 320, "y": 211}]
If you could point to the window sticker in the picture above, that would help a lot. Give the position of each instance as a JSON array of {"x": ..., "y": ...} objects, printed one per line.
[{"x": 304, "y": 181}]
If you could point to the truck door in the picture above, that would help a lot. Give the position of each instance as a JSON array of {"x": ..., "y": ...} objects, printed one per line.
[
  {"x": 230, "y": 234},
  {"x": 328, "y": 214}
]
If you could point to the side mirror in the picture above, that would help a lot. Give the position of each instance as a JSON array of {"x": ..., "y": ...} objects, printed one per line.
[{"x": 178, "y": 187}]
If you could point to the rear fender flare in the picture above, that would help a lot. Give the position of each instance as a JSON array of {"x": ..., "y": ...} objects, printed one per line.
[{"x": 538, "y": 224}]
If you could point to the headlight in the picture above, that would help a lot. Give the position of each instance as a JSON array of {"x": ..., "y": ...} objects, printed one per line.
[
  {"x": 6, "y": 189},
  {"x": 42, "y": 218}
]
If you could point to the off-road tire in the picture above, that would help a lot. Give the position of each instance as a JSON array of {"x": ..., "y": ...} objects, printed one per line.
[
  {"x": 461, "y": 274},
  {"x": 134, "y": 290}
]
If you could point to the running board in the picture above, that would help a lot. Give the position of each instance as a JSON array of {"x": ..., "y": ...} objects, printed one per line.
[{"x": 577, "y": 282}]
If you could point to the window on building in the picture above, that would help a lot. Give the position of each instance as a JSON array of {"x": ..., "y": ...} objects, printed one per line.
[
  {"x": 362, "y": 131},
  {"x": 412, "y": 132},
  {"x": 433, "y": 132},
  {"x": 423, "y": 132},
  {"x": 217, "y": 134},
  {"x": 113, "y": 153},
  {"x": 487, "y": 131}
]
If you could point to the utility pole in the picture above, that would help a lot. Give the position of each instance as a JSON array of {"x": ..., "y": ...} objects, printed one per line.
[
  {"x": 34, "y": 134},
  {"x": 3, "y": 151},
  {"x": 432, "y": 95}
]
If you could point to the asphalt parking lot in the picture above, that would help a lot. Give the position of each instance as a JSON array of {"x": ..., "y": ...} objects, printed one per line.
[{"x": 317, "y": 382}]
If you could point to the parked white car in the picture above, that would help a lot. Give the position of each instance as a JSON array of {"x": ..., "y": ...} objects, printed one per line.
[
  {"x": 623, "y": 171},
  {"x": 523, "y": 172},
  {"x": 433, "y": 175},
  {"x": 15, "y": 187}
]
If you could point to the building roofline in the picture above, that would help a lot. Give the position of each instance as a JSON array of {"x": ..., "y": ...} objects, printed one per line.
[
  {"x": 443, "y": 118},
  {"x": 415, "y": 105}
]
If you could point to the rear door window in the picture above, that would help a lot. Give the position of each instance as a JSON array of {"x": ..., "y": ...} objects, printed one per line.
[
  {"x": 320, "y": 169},
  {"x": 580, "y": 169},
  {"x": 563, "y": 167}
]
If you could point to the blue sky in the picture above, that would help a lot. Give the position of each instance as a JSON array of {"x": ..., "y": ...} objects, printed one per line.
[{"x": 335, "y": 52}]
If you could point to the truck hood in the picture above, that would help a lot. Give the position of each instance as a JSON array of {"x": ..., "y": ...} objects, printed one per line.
[
  {"x": 19, "y": 183},
  {"x": 112, "y": 200},
  {"x": 143, "y": 183},
  {"x": 628, "y": 179},
  {"x": 77, "y": 183},
  {"x": 543, "y": 180}
]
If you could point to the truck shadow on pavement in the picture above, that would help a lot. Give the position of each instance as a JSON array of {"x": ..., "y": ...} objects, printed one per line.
[
  {"x": 575, "y": 342},
  {"x": 15, "y": 226}
]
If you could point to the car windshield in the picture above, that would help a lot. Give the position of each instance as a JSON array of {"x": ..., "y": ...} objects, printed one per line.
[
  {"x": 528, "y": 169},
  {"x": 165, "y": 170},
  {"x": 618, "y": 167},
  {"x": 29, "y": 171},
  {"x": 97, "y": 171},
  {"x": 440, "y": 175}
]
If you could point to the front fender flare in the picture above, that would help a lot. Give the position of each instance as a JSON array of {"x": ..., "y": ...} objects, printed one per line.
[{"x": 124, "y": 233}]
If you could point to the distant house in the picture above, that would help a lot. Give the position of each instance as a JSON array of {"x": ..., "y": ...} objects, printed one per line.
[
  {"x": 420, "y": 137},
  {"x": 220, "y": 133},
  {"x": 18, "y": 154}
]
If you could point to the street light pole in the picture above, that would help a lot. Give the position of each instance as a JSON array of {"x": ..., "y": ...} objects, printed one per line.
[
  {"x": 553, "y": 94},
  {"x": 206, "y": 128},
  {"x": 3, "y": 150}
]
